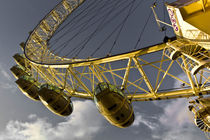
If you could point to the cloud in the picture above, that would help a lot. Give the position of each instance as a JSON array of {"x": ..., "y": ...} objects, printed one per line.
[
  {"x": 84, "y": 123},
  {"x": 178, "y": 121},
  {"x": 187, "y": 133},
  {"x": 140, "y": 119},
  {"x": 6, "y": 80},
  {"x": 176, "y": 113},
  {"x": 4, "y": 73}
]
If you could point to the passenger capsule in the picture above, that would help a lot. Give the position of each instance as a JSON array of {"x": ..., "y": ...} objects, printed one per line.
[
  {"x": 18, "y": 71},
  {"x": 21, "y": 60},
  {"x": 55, "y": 100},
  {"x": 29, "y": 87},
  {"x": 113, "y": 105}
]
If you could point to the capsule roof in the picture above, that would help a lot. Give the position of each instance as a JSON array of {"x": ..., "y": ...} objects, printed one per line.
[{"x": 104, "y": 85}]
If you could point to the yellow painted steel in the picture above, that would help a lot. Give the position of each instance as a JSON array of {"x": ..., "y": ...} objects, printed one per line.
[
  {"x": 197, "y": 14},
  {"x": 80, "y": 83},
  {"x": 189, "y": 52}
]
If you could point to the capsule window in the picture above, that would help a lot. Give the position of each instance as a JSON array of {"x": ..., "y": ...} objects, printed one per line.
[
  {"x": 111, "y": 87},
  {"x": 37, "y": 97},
  {"x": 64, "y": 113},
  {"x": 118, "y": 118},
  {"x": 56, "y": 107},
  {"x": 125, "y": 124},
  {"x": 49, "y": 100},
  {"x": 112, "y": 107},
  {"x": 30, "y": 92},
  {"x": 97, "y": 90},
  {"x": 70, "y": 108},
  {"x": 71, "y": 104},
  {"x": 103, "y": 86},
  {"x": 24, "y": 88},
  {"x": 122, "y": 115},
  {"x": 205, "y": 58}
]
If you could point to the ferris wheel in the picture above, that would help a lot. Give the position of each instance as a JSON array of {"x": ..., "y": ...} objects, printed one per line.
[{"x": 93, "y": 50}]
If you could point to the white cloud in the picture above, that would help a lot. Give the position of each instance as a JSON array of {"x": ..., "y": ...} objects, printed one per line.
[
  {"x": 6, "y": 80},
  {"x": 84, "y": 123},
  {"x": 178, "y": 121},
  {"x": 184, "y": 133},
  {"x": 32, "y": 116},
  {"x": 4, "y": 73},
  {"x": 176, "y": 113},
  {"x": 6, "y": 85},
  {"x": 139, "y": 119}
]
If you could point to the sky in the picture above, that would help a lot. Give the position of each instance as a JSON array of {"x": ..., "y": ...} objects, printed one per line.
[{"x": 23, "y": 119}]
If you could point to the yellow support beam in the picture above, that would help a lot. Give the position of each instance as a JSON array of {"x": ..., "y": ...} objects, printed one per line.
[
  {"x": 188, "y": 74},
  {"x": 125, "y": 79},
  {"x": 186, "y": 93},
  {"x": 80, "y": 82},
  {"x": 96, "y": 73},
  {"x": 144, "y": 75}
]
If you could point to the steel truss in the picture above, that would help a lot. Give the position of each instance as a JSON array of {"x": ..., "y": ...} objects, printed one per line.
[{"x": 129, "y": 71}]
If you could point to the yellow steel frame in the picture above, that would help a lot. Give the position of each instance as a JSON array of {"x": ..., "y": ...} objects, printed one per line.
[{"x": 78, "y": 77}]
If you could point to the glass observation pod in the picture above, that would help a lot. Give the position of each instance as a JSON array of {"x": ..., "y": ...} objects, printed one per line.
[
  {"x": 18, "y": 71},
  {"x": 29, "y": 87},
  {"x": 55, "y": 100},
  {"x": 201, "y": 110},
  {"x": 113, "y": 105},
  {"x": 20, "y": 60}
]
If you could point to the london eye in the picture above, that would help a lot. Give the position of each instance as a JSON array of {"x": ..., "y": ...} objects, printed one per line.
[{"x": 119, "y": 52}]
